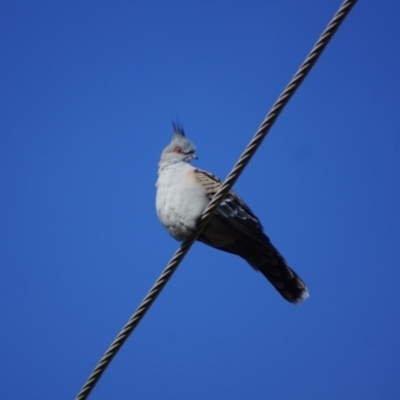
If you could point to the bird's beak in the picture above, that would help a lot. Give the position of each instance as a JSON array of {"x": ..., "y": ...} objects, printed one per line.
[{"x": 194, "y": 157}]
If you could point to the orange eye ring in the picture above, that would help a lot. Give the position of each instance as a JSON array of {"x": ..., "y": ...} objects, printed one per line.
[{"x": 178, "y": 150}]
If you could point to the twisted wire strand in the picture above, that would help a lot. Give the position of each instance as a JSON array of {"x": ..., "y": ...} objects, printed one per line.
[{"x": 238, "y": 168}]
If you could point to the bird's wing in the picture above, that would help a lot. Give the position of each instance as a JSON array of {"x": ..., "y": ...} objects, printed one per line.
[{"x": 232, "y": 209}]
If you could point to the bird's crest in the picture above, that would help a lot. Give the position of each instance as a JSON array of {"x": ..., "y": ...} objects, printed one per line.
[{"x": 178, "y": 129}]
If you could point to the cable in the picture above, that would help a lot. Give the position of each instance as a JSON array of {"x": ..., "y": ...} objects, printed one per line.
[{"x": 238, "y": 168}]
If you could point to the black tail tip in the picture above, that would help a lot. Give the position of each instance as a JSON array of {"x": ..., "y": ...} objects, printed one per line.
[{"x": 301, "y": 298}]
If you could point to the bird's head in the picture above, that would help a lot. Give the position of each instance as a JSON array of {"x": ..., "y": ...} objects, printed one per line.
[{"x": 181, "y": 149}]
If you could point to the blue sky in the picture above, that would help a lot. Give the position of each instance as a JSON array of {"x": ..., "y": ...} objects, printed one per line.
[{"x": 88, "y": 91}]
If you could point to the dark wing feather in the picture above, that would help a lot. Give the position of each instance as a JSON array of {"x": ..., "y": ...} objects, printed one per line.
[
  {"x": 254, "y": 246},
  {"x": 233, "y": 209}
]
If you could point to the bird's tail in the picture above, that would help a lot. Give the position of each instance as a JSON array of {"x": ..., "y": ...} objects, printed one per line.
[{"x": 264, "y": 257}]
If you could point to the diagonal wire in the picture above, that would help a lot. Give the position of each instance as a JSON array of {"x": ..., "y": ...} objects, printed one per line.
[{"x": 222, "y": 192}]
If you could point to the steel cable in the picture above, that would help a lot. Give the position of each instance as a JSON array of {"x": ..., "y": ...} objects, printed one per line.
[{"x": 222, "y": 192}]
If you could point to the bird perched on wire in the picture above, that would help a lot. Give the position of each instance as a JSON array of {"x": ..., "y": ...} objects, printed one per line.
[{"x": 183, "y": 193}]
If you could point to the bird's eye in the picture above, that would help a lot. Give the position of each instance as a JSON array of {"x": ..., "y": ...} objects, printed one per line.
[{"x": 178, "y": 150}]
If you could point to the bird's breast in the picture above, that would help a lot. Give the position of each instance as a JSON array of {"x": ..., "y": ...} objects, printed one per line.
[{"x": 180, "y": 200}]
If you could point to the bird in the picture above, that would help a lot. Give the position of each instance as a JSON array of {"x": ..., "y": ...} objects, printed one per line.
[{"x": 184, "y": 191}]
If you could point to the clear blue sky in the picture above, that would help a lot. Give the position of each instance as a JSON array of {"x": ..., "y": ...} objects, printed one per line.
[{"x": 88, "y": 91}]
